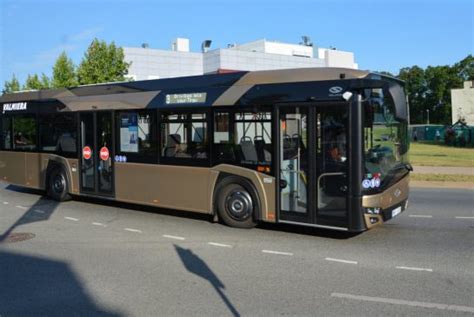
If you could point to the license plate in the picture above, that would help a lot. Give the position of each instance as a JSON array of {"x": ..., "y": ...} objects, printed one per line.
[{"x": 396, "y": 211}]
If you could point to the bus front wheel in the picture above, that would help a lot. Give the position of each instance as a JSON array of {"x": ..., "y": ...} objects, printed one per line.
[
  {"x": 236, "y": 203},
  {"x": 58, "y": 185}
]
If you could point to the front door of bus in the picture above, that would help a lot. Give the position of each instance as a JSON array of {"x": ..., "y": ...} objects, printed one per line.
[
  {"x": 97, "y": 176},
  {"x": 313, "y": 164}
]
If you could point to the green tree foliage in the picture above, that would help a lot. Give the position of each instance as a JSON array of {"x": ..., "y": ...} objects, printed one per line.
[
  {"x": 45, "y": 82},
  {"x": 32, "y": 82},
  {"x": 102, "y": 63},
  {"x": 11, "y": 86},
  {"x": 429, "y": 90},
  {"x": 415, "y": 86},
  {"x": 35, "y": 82},
  {"x": 64, "y": 74}
]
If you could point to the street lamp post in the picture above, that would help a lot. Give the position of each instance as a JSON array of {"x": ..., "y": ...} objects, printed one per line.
[{"x": 427, "y": 116}]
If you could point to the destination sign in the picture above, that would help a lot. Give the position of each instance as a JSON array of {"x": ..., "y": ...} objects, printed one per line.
[
  {"x": 17, "y": 106},
  {"x": 195, "y": 97}
]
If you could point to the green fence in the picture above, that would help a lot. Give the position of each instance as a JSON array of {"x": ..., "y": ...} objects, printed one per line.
[{"x": 457, "y": 135}]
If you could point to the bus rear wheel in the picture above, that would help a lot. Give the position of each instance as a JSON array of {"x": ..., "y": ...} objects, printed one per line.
[
  {"x": 236, "y": 204},
  {"x": 58, "y": 185}
]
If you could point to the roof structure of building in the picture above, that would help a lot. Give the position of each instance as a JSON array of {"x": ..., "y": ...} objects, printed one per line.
[{"x": 179, "y": 61}]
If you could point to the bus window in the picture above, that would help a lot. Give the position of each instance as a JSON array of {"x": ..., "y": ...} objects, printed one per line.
[
  {"x": 253, "y": 135},
  {"x": 24, "y": 133},
  {"x": 6, "y": 134},
  {"x": 58, "y": 133},
  {"x": 184, "y": 136},
  {"x": 223, "y": 147},
  {"x": 137, "y": 136}
]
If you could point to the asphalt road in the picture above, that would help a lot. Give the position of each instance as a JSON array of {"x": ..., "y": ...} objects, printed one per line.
[{"x": 109, "y": 259}]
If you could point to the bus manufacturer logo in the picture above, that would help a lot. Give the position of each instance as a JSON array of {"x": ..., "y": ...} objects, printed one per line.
[
  {"x": 104, "y": 154},
  {"x": 335, "y": 90},
  {"x": 397, "y": 193},
  {"x": 17, "y": 106},
  {"x": 86, "y": 152}
]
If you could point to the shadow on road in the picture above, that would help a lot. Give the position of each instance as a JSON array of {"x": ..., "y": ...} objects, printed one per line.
[
  {"x": 317, "y": 232},
  {"x": 38, "y": 286},
  {"x": 41, "y": 210},
  {"x": 195, "y": 265},
  {"x": 309, "y": 231}
]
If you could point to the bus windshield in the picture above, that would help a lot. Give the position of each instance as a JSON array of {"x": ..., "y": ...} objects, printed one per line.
[{"x": 385, "y": 142}]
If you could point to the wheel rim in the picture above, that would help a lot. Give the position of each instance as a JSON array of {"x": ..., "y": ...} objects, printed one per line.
[
  {"x": 59, "y": 184},
  {"x": 239, "y": 204}
]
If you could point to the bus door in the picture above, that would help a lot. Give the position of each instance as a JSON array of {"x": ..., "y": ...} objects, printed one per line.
[
  {"x": 97, "y": 153},
  {"x": 313, "y": 164}
]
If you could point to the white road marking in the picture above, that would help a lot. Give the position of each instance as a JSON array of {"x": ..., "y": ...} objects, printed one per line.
[
  {"x": 6, "y": 203},
  {"x": 220, "y": 244},
  {"x": 133, "y": 230},
  {"x": 173, "y": 237},
  {"x": 341, "y": 261},
  {"x": 71, "y": 218},
  {"x": 414, "y": 268},
  {"x": 21, "y": 207},
  {"x": 405, "y": 302},
  {"x": 39, "y": 211},
  {"x": 420, "y": 216},
  {"x": 99, "y": 224},
  {"x": 459, "y": 217},
  {"x": 277, "y": 252}
]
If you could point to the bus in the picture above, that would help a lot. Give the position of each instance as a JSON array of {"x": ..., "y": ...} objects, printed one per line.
[{"x": 321, "y": 147}]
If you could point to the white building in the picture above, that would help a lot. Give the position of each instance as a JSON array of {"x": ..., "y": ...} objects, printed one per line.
[
  {"x": 150, "y": 63},
  {"x": 462, "y": 103}
]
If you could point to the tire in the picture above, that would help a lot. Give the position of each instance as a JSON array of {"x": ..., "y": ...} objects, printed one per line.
[
  {"x": 236, "y": 203},
  {"x": 58, "y": 187}
]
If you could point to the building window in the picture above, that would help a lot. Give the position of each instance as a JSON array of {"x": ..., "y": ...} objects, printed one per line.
[
  {"x": 6, "y": 134},
  {"x": 24, "y": 133},
  {"x": 184, "y": 135},
  {"x": 58, "y": 133},
  {"x": 137, "y": 136}
]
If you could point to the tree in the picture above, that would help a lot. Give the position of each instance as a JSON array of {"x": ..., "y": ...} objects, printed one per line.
[
  {"x": 102, "y": 63},
  {"x": 11, "y": 86},
  {"x": 35, "y": 82},
  {"x": 64, "y": 74},
  {"x": 465, "y": 68},
  {"x": 32, "y": 82},
  {"x": 415, "y": 86},
  {"x": 45, "y": 82}
]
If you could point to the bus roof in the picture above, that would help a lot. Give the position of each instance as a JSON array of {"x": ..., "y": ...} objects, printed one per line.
[{"x": 214, "y": 89}]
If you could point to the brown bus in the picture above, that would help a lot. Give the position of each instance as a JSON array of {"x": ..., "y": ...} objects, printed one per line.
[{"x": 322, "y": 147}]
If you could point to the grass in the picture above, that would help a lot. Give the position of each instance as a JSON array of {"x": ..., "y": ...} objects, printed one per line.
[
  {"x": 425, "y": 154},
  {"x": 442, "y": 178}
]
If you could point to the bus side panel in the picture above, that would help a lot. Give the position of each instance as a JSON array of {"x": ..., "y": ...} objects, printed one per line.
[
  {"x": 33, "y": 170},
  {"x": 264, "y": 184},
  {"x": 12, "y": 167},
  {"x": 174, "y": 187}
]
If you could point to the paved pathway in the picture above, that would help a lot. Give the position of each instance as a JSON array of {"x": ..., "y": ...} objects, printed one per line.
[{"x": 443, "y": 170}]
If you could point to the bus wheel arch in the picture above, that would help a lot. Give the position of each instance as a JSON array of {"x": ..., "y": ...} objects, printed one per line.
[
  {"x": 58, "y": 182},
  {"x": 236, "y": 201}
]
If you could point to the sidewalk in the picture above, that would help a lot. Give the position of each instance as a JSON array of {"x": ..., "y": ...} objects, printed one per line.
[{"x": 443, "y": 170}]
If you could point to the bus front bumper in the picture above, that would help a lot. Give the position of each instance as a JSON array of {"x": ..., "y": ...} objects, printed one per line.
[{"x": 386, "y": 205}]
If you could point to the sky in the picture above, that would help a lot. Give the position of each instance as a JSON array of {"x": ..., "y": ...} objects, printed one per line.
[{"x": 383, "y": 35}]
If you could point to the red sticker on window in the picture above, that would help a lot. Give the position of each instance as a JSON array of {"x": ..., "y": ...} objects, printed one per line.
[
  {"x": 104, "y": 154},
  {"x": 86, "y": 152}
]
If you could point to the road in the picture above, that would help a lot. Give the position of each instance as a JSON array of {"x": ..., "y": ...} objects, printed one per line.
[{"x": 110, "y": 259}]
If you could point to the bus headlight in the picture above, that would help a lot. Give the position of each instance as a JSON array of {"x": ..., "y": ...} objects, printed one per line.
[{"x": 372, "y": 210}]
